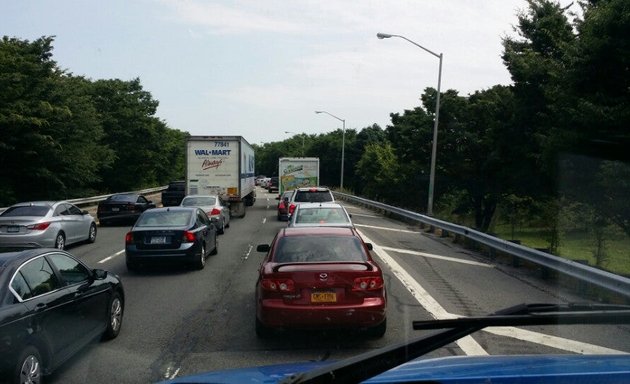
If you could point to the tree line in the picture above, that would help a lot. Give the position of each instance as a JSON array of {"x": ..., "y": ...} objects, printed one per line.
[{"x": 64, "y": 136}]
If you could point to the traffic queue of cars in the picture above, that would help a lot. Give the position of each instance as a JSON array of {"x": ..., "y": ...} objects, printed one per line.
[
  {"x": 317, "y": 273},
  {"x": 52, "y": 304}
]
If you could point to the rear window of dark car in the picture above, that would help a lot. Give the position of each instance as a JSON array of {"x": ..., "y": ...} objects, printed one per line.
[
  {"x": 308, "y": 249},
  {"x": 38, "y": 211},
  {"x": 164, "y": 219},
  {"x": 129, "y": 198},
  {"x": 313, "y": 196}
]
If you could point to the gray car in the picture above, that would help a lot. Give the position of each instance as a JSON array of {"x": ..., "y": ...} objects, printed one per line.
[
  {"x": 51, "y": 224},
  {"x": 320, "y": 215},
  {"x": 213, "y": 206}
]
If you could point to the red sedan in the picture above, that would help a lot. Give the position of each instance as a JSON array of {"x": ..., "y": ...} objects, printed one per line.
[{"x": 319, "y": 278}]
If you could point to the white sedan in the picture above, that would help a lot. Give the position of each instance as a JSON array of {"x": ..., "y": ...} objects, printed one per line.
[{"x": 213, "y": 206}]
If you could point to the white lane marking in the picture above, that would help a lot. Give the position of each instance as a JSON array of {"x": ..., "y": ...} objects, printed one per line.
[
  {"x": 364, "y": 215},
  {"x": 249, "y": 251},
  {"x": 432, "y": 256},
  {"x": 438, "y": 312},
  {"x": 467, "y": 344},
  {"x": 386, "y": 229},
  {"x": 111, "y": 257},
  {"x": 168, "y": 375},
  {"x": 553, "y": 341},
  {"x": 264, "y": 220}
]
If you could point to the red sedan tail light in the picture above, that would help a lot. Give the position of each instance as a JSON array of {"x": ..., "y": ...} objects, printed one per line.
[
  {"x": 38, "y": 227},
  {"x": 188, "y": 237},
  {"x": 281, "y": 205},
  {"x": 278, "y": 285},
  {"x": 129, "y": 238},
  {"x": 215, "y": 211},
  {"x": 367, "y": 283}
]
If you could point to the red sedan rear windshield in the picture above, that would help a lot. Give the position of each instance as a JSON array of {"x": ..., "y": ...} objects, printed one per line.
[{"x": 318, "y": 248}]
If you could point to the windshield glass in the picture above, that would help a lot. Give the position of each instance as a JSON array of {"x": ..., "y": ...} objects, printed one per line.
[
  {"x": 306, "y": 249},
  {"x": 479, "y": 149},
  {"x": 321, "y": 216},
  {"x": 164, "y": 219},
  {"x": 36, "y": 211},
  {"x": 198, "y": 201}
]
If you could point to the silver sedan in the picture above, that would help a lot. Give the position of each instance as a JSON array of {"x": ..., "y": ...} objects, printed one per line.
[
  {"x": 45, "y": 224},
  {"x": 213, "y": 206}
]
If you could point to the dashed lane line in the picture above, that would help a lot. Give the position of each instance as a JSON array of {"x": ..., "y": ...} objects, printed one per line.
[{"x": 112, "y": 256}]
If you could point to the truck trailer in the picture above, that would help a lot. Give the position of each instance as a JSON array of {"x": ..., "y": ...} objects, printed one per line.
[
  {"x": 222, "y": 166},
  {"x": 298, "y": 172}
]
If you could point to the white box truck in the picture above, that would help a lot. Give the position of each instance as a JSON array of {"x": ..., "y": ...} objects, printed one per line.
[
  {"x": 223, "y": 166},
  {"x": 297, "y": 172}
]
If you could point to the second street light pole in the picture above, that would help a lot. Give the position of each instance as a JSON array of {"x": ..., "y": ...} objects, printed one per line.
[
  {"x": 343, "y": 143},
  {"x": 437, "y": 116}
]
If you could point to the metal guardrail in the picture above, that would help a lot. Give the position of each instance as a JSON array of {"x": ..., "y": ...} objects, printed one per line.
[
  {"x": 96, "y": 199},
  {"x": 582, "y": 272}
]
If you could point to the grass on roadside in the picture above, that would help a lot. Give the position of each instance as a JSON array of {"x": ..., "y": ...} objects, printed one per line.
[{"x": 578, "y": 246}]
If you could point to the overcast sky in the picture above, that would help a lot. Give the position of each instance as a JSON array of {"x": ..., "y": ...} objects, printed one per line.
[{"x": 259, "y": 68}]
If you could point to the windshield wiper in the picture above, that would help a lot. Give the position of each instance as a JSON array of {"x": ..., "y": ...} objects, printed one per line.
[{"x": 370, "y": 364}]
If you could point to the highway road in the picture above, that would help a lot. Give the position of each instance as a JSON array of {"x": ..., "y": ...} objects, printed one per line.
[{"x": 180, "y": 321}]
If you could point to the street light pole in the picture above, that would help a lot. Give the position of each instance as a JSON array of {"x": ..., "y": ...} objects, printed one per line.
[
  {"x": 343, "y": 143},
  {"x": 437, "y": 116},
  {"x": 301, "y": 134}
]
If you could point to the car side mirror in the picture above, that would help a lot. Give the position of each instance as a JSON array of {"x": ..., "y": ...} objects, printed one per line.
[
  {"x": 84, "y": 212},
  {"x": 263, "y": 248},
  {"x": 369, "y": 246},
  {"x": 277, "y": 197},
  {"x": 99, "y": 274}
]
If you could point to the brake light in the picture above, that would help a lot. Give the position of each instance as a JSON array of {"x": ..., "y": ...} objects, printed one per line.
[
  {"x": 188, "y": 237},
  {"x": 281, "y": 205},
  {"x": 129, "y": 238},
  {"x": 131, "y": 207},
  {"x": 367, "y": 283},
  {"x": 291, "y": 208},
  {"x": 39, "y": 226},
  {"x": 278, "y": 285},
  {"x": 215, "y": 211}
]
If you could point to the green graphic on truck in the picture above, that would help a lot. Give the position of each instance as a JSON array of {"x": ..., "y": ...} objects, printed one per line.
[{"x": 298, "y": 172}]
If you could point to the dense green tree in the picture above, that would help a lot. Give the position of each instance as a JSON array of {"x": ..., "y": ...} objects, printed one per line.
[
  {"x": 48, "y": 127},
  {"x": 127, "y": 114},
  {"x": 378, "y": 170}
]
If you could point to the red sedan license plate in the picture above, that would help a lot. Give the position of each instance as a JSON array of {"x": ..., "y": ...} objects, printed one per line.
[
  {"x": 158, "y": 240},
  {"x": 323, "y": 297}
]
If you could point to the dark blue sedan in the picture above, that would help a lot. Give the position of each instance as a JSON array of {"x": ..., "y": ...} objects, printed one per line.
[{"x": 171, "y": 234}]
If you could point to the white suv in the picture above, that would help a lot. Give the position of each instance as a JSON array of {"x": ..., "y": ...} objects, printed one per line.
[{"x": 310, "y": 195}]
